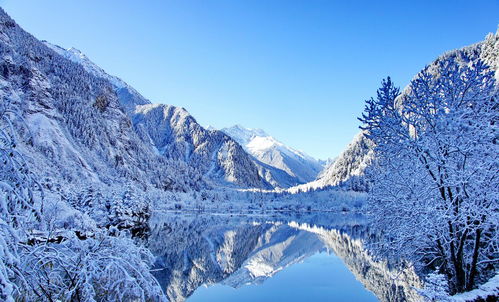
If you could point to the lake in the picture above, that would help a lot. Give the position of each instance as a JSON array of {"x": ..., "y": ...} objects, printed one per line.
[{"x": 272, "y": 257}]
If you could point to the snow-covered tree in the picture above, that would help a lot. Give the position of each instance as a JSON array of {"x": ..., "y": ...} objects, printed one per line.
[
  {"x": 19, "y": 193},
  {"x": 434, "y": 178}
]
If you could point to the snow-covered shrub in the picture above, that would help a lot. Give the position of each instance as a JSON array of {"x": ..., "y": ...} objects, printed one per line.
[
  {"x": 123, "y": 207},
  {"x": 102, "y": 268},
  {"x": 436, "y": 288},
  {"x": 129, "y": 211}
]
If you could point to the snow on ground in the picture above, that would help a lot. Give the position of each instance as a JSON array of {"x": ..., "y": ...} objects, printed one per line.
[{"x": 489, "y": 289}]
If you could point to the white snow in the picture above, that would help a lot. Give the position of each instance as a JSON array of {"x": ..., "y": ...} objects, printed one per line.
[
  {"x": 267, "y": 149},
  {"x": 79, "y": 57},
  {"x": 490, "y": 288}
]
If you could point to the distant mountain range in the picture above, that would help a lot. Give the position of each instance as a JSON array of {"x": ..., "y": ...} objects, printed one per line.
[
  {"x": 89, "y": 126},
  {"x": 298, "y": 166},
  {"x": 175, "y": 134}
]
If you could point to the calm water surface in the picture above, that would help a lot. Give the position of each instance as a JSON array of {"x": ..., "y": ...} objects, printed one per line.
[
  {"x": 301, "y": 257},
  {"x": 321, "y": 277}
]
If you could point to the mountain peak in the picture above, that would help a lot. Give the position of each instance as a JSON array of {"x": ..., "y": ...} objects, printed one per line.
[
  {"x": 243, "y": 133},
  {"x": 274, "y": 153},
  {"x": 77, "y": 52}
]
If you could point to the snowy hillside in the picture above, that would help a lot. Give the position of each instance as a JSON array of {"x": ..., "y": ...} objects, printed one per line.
[
  {"x": 183, "y": 142},
  {"x": 300, "y": 167},
  {"x": 127, "y": 95},
  {"x": 78, "y": 130},
  {"x": 348, "y": 168},
  {"x": 351, "y": 162},
  {"x": 176, "y": 134}
]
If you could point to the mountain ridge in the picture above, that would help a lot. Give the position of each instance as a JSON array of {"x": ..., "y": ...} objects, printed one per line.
[
  {"x": 299, "y": 167},
  {"x": 89, "y": 115}
]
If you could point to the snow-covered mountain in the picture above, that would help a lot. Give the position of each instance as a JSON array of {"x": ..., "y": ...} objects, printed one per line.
[
  {"x": 176, "y": 134},
  {"x": 349, "y": 167},
  {"x": 351, "y": 162},
  {"x": 128, "y": 96},
  {"x": 85, "y": 125},
  {"x": 299, "y": 167},
  {"x": 71, "y": 124}
]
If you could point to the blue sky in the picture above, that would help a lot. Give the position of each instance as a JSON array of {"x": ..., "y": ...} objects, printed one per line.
[{"x": 300, "y": 70}]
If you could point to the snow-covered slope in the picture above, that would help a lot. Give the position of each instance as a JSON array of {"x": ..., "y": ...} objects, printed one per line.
[
  {"x": 127, "y": 95},
  {"x": 78, "y": 132},
  {"x": 299, "y": 167},
  {"x": 351, "y": 162},
  {"x": 350, "y": 165},
  {"x": 177, "y": 135},
  {"x": 80, "y": 119},
  {"x": 78, "y": 57}
]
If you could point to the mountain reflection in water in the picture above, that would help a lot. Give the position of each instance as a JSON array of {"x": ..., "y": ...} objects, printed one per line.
[{"x": 243, "y": 251}]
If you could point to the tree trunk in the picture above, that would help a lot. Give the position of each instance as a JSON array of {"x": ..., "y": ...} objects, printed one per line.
[
  {"x": 457, "y": 262},
  {"x": 474, "y": 261}
]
